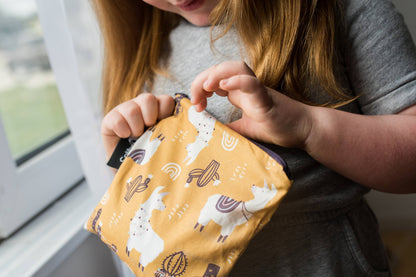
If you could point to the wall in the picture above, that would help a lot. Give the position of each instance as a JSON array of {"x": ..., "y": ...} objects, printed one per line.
[{"x": 408, "y": 9}]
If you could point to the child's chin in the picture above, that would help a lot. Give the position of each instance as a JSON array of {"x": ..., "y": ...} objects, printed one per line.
[{"x": 200, "y": 21}]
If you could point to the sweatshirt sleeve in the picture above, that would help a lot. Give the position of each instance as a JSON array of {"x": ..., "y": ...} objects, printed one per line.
[{"x": 380, "y": 56}]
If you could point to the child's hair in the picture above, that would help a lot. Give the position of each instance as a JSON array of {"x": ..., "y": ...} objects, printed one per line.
[{"x": 290, "y": 44}]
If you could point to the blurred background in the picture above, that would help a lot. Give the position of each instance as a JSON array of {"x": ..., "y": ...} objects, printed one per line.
[{"x": 33, "y": 117}]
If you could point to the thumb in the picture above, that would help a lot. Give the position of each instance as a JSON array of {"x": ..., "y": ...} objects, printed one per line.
[
  {"x": 247, "y": 129},
  {"x": 239, "y": 127},
  {"x": 110, "y": 142}
]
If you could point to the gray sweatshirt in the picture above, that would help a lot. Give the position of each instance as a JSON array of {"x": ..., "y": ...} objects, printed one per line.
[{"x": 378, "y": 61}]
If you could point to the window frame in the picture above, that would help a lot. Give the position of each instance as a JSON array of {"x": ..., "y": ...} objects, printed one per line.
[
  {"x": 84, "y": 143},
  {"x": 83, "y": 118},
  {"x": 29, "y": 187}
]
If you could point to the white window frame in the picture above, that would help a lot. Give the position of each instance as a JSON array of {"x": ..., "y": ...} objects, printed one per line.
[
  {"x": 43, "y": 243},
  {"x": 27, "y": 189},
  {"x": 81, "y": 113}
]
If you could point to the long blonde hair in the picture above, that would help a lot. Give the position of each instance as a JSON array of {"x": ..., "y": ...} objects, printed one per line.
[{"x": 291, "y": 45}]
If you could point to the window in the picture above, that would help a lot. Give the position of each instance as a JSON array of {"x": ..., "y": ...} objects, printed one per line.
[
  {"x": 30, "y": 107},
  {"x": 38, "y": 157}
]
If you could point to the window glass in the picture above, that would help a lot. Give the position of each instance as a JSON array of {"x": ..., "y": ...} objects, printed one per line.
[{"x": 30, "y": 106}]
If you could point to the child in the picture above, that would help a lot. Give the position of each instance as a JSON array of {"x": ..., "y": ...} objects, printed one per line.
[{"x": 328, "y": 85}]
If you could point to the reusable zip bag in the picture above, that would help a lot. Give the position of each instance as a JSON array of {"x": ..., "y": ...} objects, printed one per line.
[{"x": 189, "y": 197}]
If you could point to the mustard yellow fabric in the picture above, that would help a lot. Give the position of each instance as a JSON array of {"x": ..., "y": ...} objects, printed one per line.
[{"x": 188, "y": 198}]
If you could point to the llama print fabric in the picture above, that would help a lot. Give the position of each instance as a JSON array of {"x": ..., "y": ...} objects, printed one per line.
[{"x": 189, "y": 197}]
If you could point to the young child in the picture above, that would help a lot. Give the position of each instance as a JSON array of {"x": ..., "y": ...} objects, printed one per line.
[{"x": 328, "y": 85}]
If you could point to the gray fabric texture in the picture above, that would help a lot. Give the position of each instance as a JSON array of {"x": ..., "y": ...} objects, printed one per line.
[{"x": 323, "y": 227}]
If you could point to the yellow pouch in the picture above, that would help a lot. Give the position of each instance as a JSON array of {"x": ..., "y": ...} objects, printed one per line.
[{"x": 189, "y": 197}]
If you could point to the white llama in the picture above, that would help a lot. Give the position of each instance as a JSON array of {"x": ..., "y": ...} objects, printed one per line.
[
  {"x": 144, "y": 148},
  {"x": 142, "y": 238},
  {"x": 204, "y": 124},
  {"x": 230, "y": 213}
]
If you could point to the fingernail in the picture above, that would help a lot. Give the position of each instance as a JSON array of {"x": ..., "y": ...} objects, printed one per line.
[
  {"x": 224, "y": 82},
  {"x": 206, "y": 83}
]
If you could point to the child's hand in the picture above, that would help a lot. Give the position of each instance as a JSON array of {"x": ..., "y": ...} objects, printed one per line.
[
  {"x": 268, "y": 116},
  {"x": 130, "y": 118}
]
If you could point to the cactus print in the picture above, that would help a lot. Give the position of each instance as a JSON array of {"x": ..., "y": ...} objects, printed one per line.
[
  {"x": 189, "y": 197},
  {"x": 205, "y": 176}
]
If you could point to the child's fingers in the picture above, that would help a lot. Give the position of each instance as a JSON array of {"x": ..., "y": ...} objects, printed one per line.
[
  {"x": 248, "y": 93},
  {"x": 132, "y": 113},
  {"x": 224, "y": 71},
  {"x": 166, "y": 104},
  {"x": 148, "y": 105},
  {"x": 130, "y": 118},
  {"x": 114, "y": 124},
  {"x": 198, "y": 94},
  {"x": 201, "y": 105},
  {"x": 244, "y": 83},
  {"x": 208, "y": 81}
]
